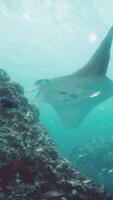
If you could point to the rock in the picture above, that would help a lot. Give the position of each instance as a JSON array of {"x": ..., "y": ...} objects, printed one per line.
[
  {"x": 96, "y": 160},
  {"x": 30, "y": 166}
]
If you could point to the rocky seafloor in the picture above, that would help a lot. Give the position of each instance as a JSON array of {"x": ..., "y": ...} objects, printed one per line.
[
  {"x": 96, "y": 160},
  {"x": 30, "y": 166}
]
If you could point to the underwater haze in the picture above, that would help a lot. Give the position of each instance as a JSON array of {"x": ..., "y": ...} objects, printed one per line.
[{"x": 43, "y": 39}]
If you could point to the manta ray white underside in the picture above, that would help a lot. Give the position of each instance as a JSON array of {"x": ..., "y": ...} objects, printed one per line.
[{"x": 75, "y": 95}]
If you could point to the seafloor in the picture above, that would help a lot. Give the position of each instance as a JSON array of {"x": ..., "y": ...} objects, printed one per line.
[
  {"x": 96, "y": 159},
  {"x": 30, "y": 166}
]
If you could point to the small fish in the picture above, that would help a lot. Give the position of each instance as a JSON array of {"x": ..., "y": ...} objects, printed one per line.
[
  {"x": 53, "y": 194},
  {"x": 110, "y": 171},
  {"x": 87, "y": 181}
]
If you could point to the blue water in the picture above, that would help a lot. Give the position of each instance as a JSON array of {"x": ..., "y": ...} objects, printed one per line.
[{"x": 50, "y": 38}]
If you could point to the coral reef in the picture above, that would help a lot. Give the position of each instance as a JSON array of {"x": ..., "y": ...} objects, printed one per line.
[
  {"x": 96, "y": 159},
  {"x": 30, "y": 166}
]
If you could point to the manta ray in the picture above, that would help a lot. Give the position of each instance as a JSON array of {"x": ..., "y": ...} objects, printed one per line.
[{"x": 73, "y": 96}]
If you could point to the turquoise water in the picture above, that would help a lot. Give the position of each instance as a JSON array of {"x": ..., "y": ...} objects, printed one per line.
[{"x": 49, "y": 38}]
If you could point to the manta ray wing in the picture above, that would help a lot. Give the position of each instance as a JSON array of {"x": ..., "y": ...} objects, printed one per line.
[{"x": 98, "y": 63}]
